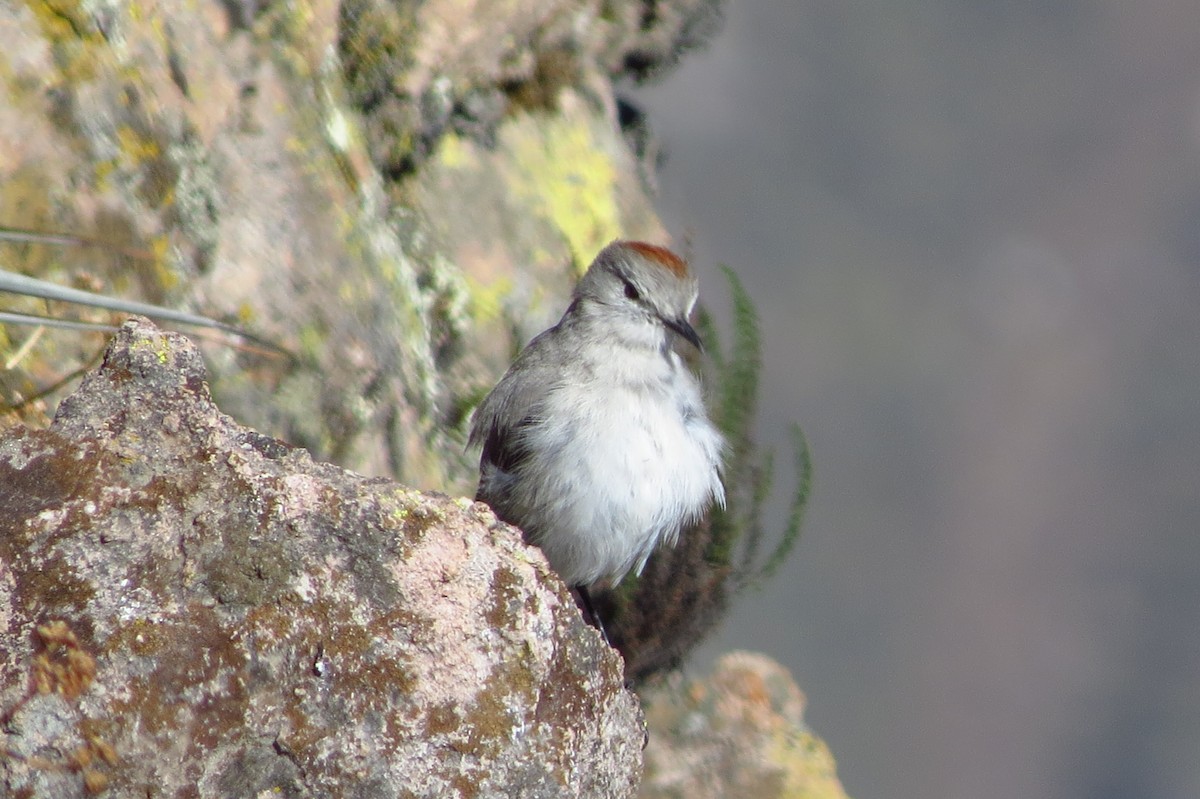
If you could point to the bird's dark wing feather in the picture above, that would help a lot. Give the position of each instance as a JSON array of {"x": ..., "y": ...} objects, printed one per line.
[
  {"x": 504, "y": 449},
  {"x": 514, "y": 405}
]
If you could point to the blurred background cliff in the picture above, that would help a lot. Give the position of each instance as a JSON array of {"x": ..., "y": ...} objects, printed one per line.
[{"x": 973, "y": 230}]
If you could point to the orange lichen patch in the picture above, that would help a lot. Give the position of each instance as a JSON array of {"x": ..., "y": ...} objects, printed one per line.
[
  {"x": 661, "y": 255},
  {"x": 94, "y": 782},
  {"x": 62, "y": 666}
]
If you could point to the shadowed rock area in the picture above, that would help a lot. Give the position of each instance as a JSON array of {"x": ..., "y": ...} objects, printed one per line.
[{"x": 190, "y": 608}]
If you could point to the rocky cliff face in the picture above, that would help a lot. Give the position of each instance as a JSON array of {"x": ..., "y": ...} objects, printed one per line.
[
  {"x": 401, "y": 193},
  {"x": 190, "y": 608}
]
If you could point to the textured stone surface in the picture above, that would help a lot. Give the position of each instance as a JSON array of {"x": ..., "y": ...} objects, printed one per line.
[
  {"x": 239, "y": 158},
  {"x": 418, "y": 70},
  {"x": 189, "y": 608},
  {"x": 213, "y": 162},
  {"x": 737, "y": 732}
]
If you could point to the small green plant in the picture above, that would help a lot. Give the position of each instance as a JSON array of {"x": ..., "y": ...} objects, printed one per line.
[{"x": 657, "y": 619}]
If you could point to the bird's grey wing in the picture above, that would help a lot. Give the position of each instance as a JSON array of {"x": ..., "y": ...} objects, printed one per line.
[{"x": 513, "y": 405}]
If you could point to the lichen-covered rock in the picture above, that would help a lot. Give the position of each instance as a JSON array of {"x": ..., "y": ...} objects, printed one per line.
[
  {"x": 246, "y": 159},
  {"x": 217, "y": 166},
  {"x": 737, "y": 732},
  {"x": 419, "y": 70},
  {"x": 189, "y": 608}
]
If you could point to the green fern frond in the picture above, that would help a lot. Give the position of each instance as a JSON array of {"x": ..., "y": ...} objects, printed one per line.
[
  {"x": 752, "y": 529},
  {"x": 749, "y": 471},
  {"x": 791, "y": 532},
  {"x": 738, "y": 399}
]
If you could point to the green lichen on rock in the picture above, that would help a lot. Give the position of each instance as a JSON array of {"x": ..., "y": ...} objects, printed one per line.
[{"x": 562, "y": 172}]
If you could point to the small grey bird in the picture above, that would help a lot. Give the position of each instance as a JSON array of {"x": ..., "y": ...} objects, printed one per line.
[{"x": 596, "y": 442}]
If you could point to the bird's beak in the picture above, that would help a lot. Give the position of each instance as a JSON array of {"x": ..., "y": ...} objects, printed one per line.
[{"x": 684, "y": 328}]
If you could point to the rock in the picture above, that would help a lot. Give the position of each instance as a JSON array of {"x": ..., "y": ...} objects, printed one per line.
[
  {"x": 418, "y": 71},
  {"x": 398, "y": 192},
  {"x": 738, "y": 732},
  {"x": 190, "y": 608}
]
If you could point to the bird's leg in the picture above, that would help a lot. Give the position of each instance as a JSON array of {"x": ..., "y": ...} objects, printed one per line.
[{"x": 589, "y": 612}]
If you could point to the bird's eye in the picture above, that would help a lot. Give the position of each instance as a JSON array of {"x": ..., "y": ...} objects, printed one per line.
[{"x": 631, "y": 292}]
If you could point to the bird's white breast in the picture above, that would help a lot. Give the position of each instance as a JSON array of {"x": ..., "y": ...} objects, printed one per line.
[{"x": 629, "y": 457}]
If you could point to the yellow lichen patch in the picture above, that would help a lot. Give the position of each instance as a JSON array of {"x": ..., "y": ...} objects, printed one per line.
[
  {"x": 159, "y": 345},
  {"x": 25, "y": 204},
  {"x": 565, "y": 176},
  {"x": 161, "y": 272},
  {"x": 486, "y": 300},
  {"x": 70, "y": 29},
  {"x": 136, "y": 147},
  {"x": 454, "y": 152},
  {"x": 299, "y": 31},
  {"x": 807, "y": 765}
]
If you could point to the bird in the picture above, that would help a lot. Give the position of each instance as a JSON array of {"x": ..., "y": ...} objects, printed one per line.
[{"x": 596, "y": 442}]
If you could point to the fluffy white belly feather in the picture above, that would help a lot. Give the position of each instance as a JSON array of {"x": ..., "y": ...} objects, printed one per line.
[{"x": 626, "y": 466}]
